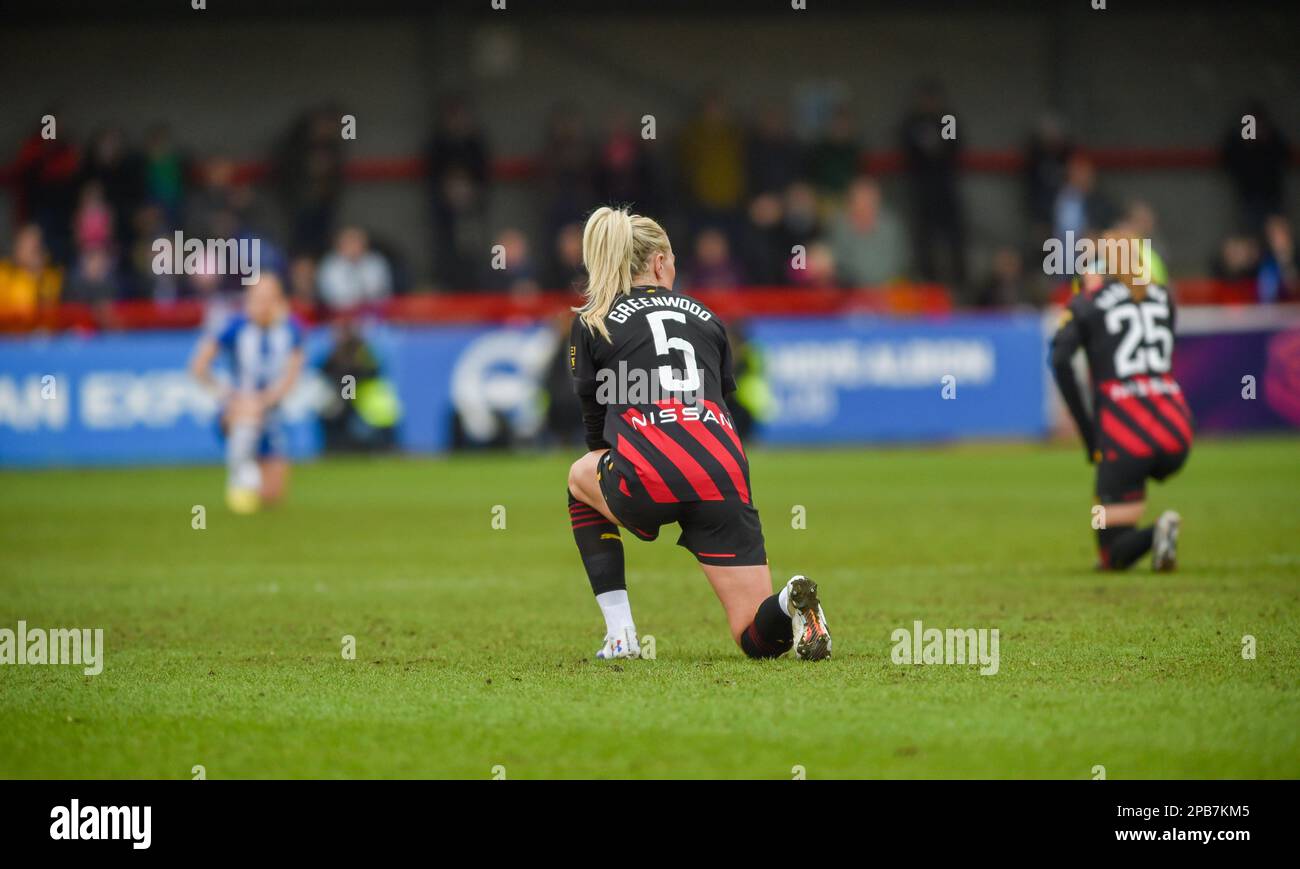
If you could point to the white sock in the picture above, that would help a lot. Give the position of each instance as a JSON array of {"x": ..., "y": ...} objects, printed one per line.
[
  {"x": 783, "y": 598},
  {"x": 617, "y": 610},
  {"x": 241, "y": 457}
]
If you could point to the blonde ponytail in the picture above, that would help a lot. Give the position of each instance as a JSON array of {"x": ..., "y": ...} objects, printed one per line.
[{"x": 616, "y": 247}]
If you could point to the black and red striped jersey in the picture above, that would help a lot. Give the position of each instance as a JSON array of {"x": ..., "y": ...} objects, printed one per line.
[
  {"x": 1138, "y": 408},
  {"x": 661, "y": 381}
]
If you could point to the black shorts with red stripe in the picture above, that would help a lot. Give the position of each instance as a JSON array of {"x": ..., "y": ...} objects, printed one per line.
[
  {"x": 1144, "y": 432},
  {"x": 725, "y": 532}
]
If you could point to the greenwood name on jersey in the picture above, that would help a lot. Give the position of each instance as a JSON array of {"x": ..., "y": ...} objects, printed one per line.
[{"x": 661, "y": 381}]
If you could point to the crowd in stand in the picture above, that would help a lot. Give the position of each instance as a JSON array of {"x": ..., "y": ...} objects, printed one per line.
[{"x": 751, "y": 201}]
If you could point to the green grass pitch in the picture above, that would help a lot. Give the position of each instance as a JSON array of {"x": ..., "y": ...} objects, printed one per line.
[{"x": 474, "y": 644}]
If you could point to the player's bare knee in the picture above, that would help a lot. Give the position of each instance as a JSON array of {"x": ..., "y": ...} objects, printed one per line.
[{"x": 575, "y": 478}]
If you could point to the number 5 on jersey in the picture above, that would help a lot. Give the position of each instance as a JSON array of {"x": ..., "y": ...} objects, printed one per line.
[{"x": 663, "y": 344}]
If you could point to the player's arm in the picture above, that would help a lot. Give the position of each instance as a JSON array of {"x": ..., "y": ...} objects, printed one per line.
[
  {"x": 280, "y": 389},
  {"x": 201, "y": 363},
  {"x": 583, "y": 369},
  {"x": 593, "y": 422},
  {"x": 1067, "y": 340},
  {"x": 727, "y": 367}
]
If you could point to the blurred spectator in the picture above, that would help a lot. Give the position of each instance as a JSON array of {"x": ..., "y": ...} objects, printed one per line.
[
  {"x": 775, "y": 226},
  {"x": 713, "y": 161},
  {"x": 519, "y": 275},
  {"x": 367, "y": 421},
  {"x": 223, "y": 208},
  {"x": 775, "y": 157},
  {"x": 395, "y": 256},
  {"x": 834, "y": 159},
  {"x": 801, "y": 216},
  {"x": 764, "y": 242},
  {"x": 117, "y": 173},
  {"x": 94, "y": 282},
  {"x": 1079, "y": 208},
  {"x": 819, "y": 271},
  {"x": 566, "y": 270},
  {"x": 210, "y": 212},
  {"x": 1138, "y": 219},
  {"x": 352, "y": 275},
  {"x": 149, "y": 224},
  {"x": 308, "y": 173},
  {"x": 1257, "y": 166},
  {"x": 866, "y": 240},
  {"x": 93, "y": 222},
  {"x": 1005, "y": 286},
  {"x": 47, "y": 173},
  {"x": 302, "y": 283},
  {"x": 1045, "y": 161},
  {"x": 624, "y": 172},
  {"x": 567, "y": 169},
  {"x": 29, "y": 283},
  {"x": 938, "y": 229},
  {"x": 460, "y": 231},
  {"x": 712, "y": 266},
  {"x": 1279, "y": 269},
  {"x": 458, "y": 174},
  {"x": 164, "y": 171},
  {"x": 1238, "y": 259},
  {"x": 249, "y": 211}
]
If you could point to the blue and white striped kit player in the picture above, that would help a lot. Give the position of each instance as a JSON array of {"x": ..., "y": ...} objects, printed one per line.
[{"x": 258, "y": 357}]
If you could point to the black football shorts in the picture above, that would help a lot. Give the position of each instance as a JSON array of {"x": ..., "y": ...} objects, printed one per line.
[
  {"x": 725, "y": 533},
  {"x": 1124, "y": 480}
]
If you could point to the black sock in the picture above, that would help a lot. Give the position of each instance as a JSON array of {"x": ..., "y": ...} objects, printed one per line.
[
  {"x": 768, "y": 636},
  {"x": 599, "y": 545},
  {"x": 1122, "y": 545}
]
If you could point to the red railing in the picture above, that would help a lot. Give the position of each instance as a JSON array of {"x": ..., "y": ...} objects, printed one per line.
[{"x": 457, "y": 308}]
